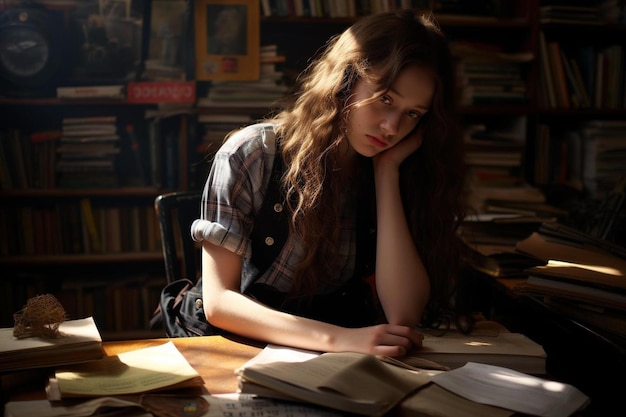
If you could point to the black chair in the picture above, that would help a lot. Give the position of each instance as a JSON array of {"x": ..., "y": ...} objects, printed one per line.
[{"x": 175, "y": 212}]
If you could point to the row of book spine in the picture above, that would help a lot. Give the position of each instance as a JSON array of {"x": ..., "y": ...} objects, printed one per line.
[
  {"x": 588, "y": 157},
  {"x": 78, "y": 227},
  {"x": 334, "y": 8},
  {"x": 93, "y": 154},
  {"x": 117, "y": 304},
  {"x": 581, "y": 76},
  {"x": 353, "y": 8}
]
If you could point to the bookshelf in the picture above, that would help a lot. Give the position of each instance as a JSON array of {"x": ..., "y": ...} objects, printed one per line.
[{"x": 508, "y": 119}]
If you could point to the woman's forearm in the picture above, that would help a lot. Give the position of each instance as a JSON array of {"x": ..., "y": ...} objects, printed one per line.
[{"x": 401, "y": 279}]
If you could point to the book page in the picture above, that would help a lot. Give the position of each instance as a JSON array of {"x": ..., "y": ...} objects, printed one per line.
[
  {"x": 502, "y": 387},
  {"x": 352, "y": 375},
  {"x": 276, "y": 353},
  {"x": 132, "y": 372}
]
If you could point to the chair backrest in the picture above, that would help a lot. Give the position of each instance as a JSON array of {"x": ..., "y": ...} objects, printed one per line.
[{"x": 175, "y": 212}]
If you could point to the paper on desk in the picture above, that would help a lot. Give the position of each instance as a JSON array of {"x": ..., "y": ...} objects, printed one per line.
[
  {"x": 137, "y": 371},
  {"x": 44, "y": 408},
  {"x": 222, "y": 405},
  {"x": 503, "y": 387},
  {"x": 229, "y": 405}
]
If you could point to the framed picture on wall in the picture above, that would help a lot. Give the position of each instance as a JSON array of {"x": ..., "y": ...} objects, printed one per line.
[
  {"x": 168, "y": 33},
  {"x": 227, "y": 39}
]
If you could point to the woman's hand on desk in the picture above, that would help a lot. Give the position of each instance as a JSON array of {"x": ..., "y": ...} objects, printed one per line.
[{"x": 382, "y": 339}]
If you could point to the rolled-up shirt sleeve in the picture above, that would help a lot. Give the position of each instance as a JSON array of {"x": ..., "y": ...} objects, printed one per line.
[{"x": 235, "y": 188}]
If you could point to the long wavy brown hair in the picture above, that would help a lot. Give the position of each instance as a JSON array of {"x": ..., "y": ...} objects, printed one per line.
[{"x": 312, "y": 126}]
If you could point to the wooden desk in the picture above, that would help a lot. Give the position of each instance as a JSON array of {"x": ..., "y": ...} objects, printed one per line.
[{"x": 214, "y": 357}]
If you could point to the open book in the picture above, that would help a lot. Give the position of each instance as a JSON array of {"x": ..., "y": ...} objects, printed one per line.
[
  {"x": 143, "y": 370},
  {"x": 355, "y": 383},
  {"x": 79, "y": 341},
  {"x": 350, "y": 382}
]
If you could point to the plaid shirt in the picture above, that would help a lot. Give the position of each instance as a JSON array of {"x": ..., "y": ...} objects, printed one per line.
[{"x": 234, "y": 193}]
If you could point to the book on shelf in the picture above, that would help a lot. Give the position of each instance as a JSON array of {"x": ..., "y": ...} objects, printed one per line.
[
  {"x": 546, "y": 83},
  {"x": 90, "y": 138},
  {"x": 495, "y": 229},
  {"x": 79, "y": 341},
  {"x": 558, "y": 75},
  {"x": 162, "y": 92},
  {"x": 88, "y": 120},
  {"x": 92, "y": 91},
  {"x": 150, "y": 369},
  {"x": 89, "y": 129},
  {"x": 571, "y": 14},
  {"x": 480, "y": 195}
]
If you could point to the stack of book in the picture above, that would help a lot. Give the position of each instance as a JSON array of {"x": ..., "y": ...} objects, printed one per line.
[
  {"x": 582, "y": 277},
  {"x": 215, "y": 127},
  {"x": 87, "y": 152},
  {"x": 490, "y": 244},
  {"x": 588, "y": 158},
  {"x": 494, "y": 157},
  {"x": 603, "y": 155},
  {"x": 579, "y": 15},
  {"x": 79, "y": 341},
  {"x": 489, "y": 75},
  {"x": 262, "y": 93}
]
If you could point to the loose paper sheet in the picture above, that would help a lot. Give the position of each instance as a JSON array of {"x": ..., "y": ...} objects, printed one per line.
[
  {"x": 136, "y": 371},
  {"x": 221, "y": 405},
  {"x": 503, "y": 387}
]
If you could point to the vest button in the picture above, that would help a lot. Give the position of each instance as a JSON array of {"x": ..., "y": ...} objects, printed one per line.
[
  {"x": 278, "y": 207},
  {"x": 198, "y": 303},
  {"x": 269, "y": 241}
]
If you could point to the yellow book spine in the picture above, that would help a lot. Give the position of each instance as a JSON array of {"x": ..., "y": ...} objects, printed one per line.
[{"x": 89, "y": 222}]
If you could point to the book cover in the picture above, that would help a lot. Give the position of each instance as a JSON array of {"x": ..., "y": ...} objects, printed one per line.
[{"x": 489, "y": 343}]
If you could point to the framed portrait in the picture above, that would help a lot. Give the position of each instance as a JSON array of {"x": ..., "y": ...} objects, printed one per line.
[{"x": 227, "y": 38}]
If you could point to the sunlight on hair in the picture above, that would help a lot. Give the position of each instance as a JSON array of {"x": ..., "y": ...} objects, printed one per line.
[
  {"x": 529, "y": 381},
  {"x": 597, "y": 268}
]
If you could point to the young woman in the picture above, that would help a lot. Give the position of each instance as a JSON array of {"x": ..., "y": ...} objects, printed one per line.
[{"x": 372, "y": 181}]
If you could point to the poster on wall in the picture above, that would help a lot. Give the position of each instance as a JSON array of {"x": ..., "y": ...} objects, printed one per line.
[{"x": 227, "y": 39}]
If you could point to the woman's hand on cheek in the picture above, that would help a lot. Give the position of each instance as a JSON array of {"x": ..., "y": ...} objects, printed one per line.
[{"x": 399, "y": 152}]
